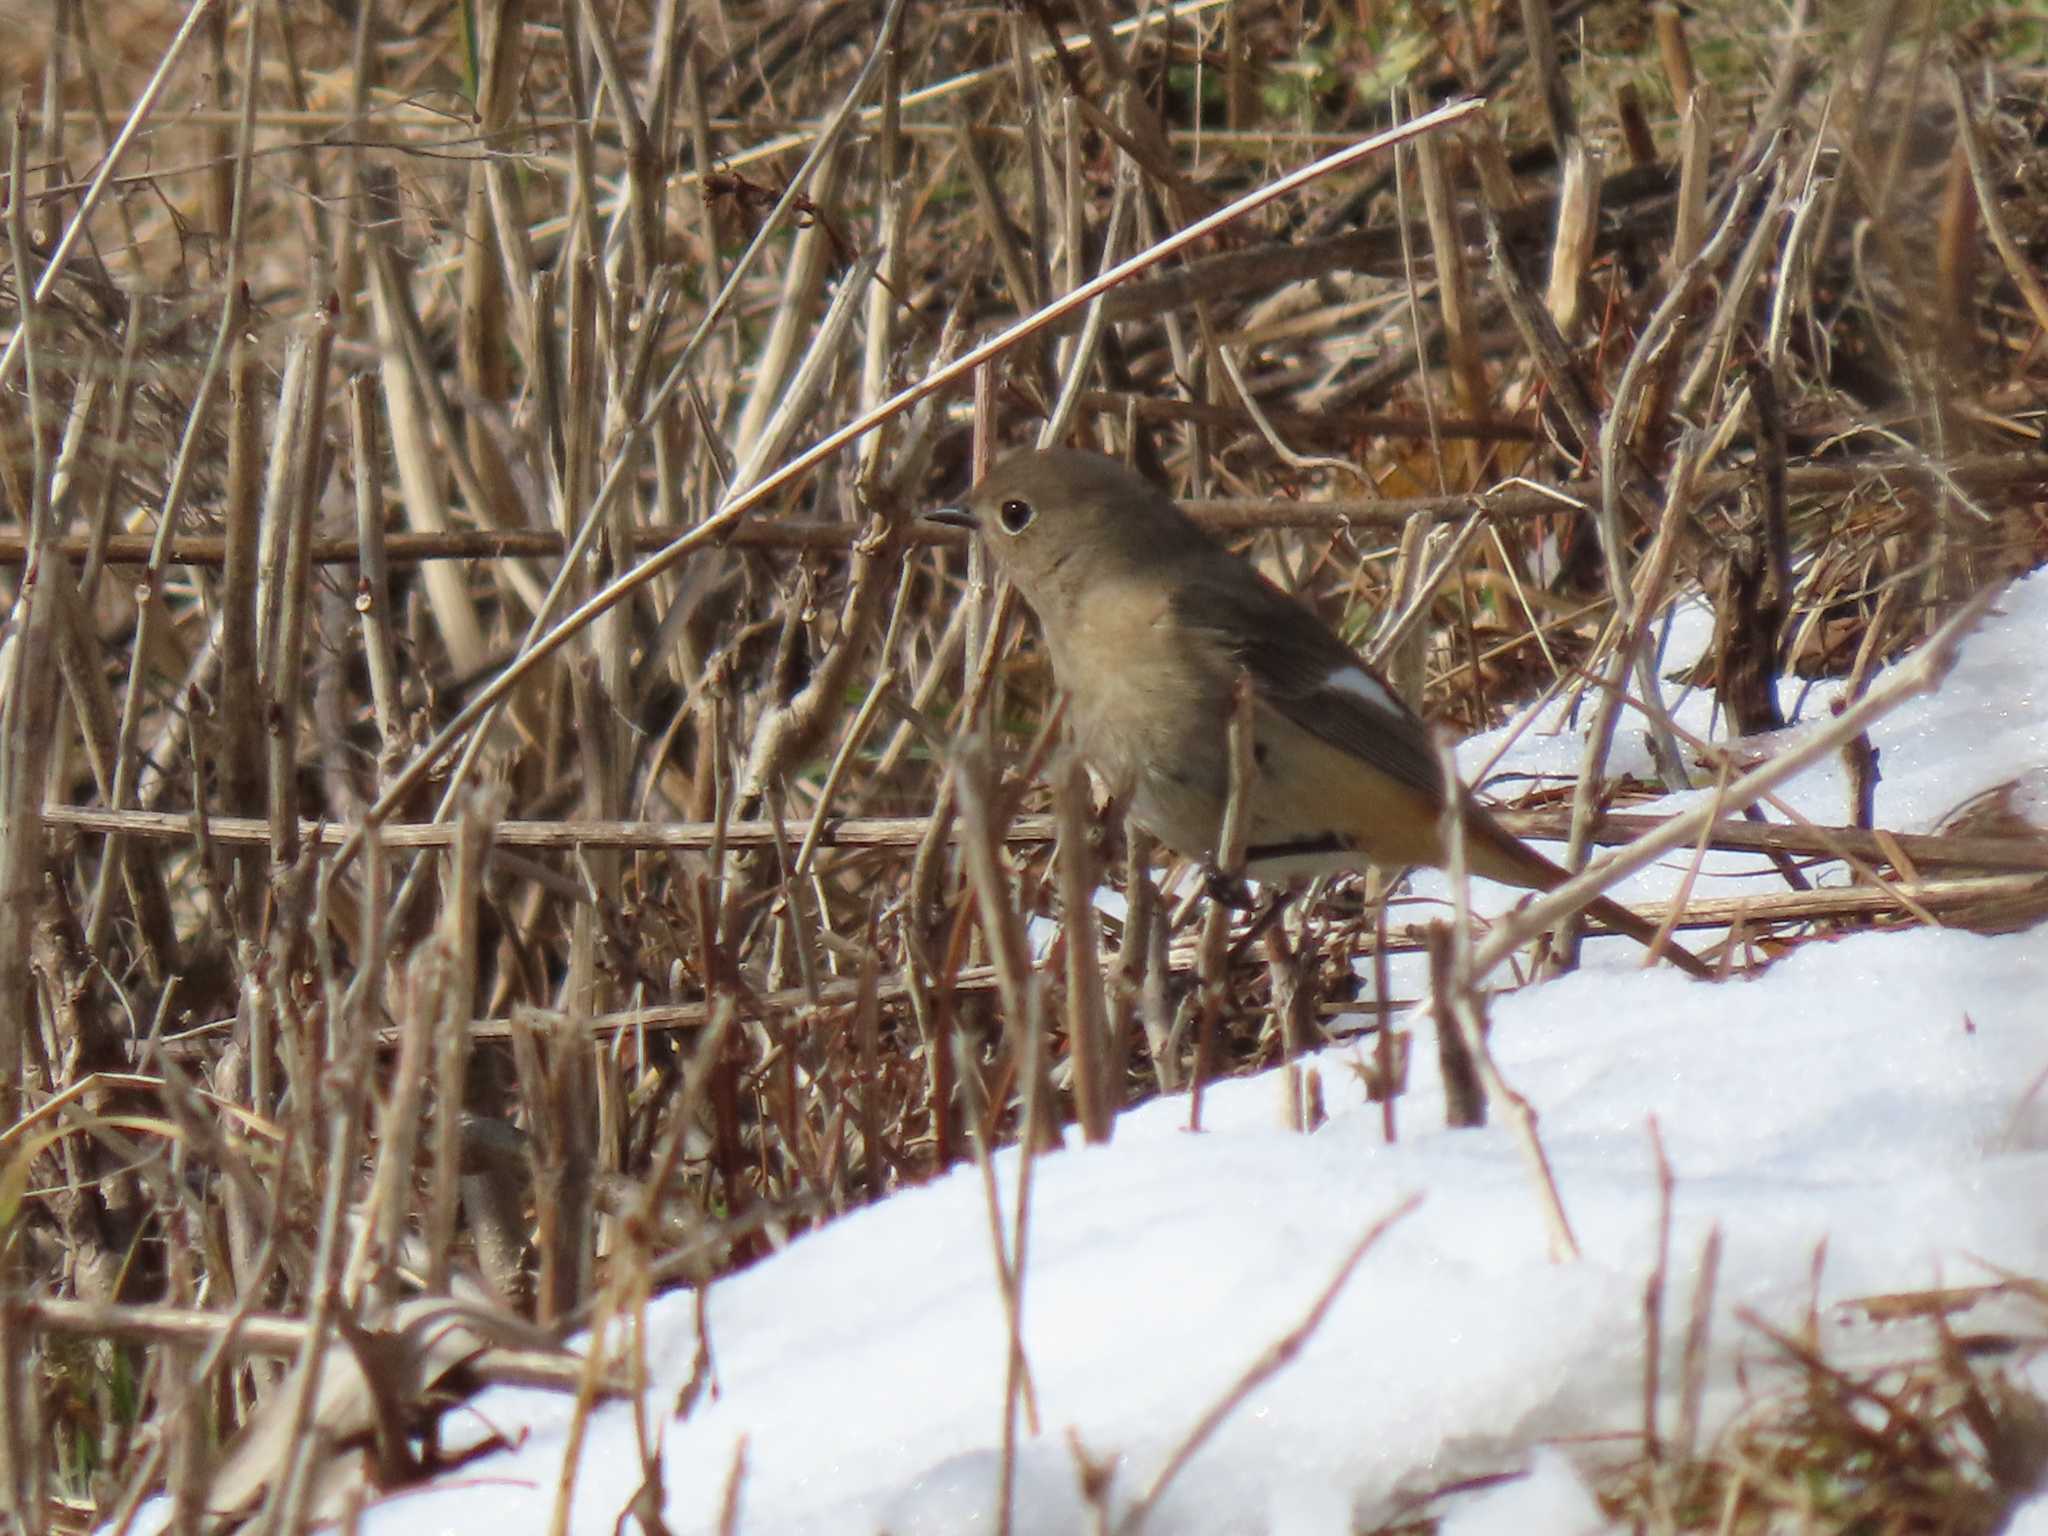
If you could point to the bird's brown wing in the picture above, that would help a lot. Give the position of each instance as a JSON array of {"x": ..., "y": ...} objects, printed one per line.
[{"x": 1302, "y": 670}]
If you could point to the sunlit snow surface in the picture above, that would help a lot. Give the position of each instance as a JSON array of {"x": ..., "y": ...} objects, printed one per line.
[{"x": 1871, "y": 1094}]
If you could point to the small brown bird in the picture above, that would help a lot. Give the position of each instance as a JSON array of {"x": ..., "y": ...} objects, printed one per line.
[{"x": 1150, "y": 624}]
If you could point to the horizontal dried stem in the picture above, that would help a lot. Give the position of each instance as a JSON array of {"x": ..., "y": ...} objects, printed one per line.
[
  {"x": 2009, "y": 472},
  {"x": 1614, "y": 830}
]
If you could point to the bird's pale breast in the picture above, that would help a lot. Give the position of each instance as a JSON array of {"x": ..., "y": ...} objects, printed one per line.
[{"x": 1149, "y": 703}]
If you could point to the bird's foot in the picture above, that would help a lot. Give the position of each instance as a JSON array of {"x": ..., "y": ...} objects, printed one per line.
[{"x": 1227, "y": 890}]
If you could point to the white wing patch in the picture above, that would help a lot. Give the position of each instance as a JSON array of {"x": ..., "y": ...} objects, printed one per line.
[{"x": 1360, "y": 683}]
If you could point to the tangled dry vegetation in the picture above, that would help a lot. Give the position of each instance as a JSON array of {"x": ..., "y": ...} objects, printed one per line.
[{"x": 491, "y": 813}]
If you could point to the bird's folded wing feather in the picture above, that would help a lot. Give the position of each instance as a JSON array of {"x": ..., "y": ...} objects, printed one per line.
[{"x": 1307, "y": 674}]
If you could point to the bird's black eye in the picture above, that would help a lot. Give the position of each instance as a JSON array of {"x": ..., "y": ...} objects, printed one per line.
[{"x": 1016, "y": 515}]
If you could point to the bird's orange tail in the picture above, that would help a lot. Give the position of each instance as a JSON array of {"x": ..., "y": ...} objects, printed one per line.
[{"x": 1496, "y": 853}]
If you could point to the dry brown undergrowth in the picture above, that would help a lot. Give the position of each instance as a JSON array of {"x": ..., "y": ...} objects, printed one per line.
[{"x": 391, "y": 919}]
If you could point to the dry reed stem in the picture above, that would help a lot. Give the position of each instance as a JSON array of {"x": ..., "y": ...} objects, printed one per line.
[
  {"x": 1641, "y": 598},
  {"x": 1464, "y": 1005},
  {"x": 1454, "y": 298},
  {"x": 27, "y": 713},
  {"x": 1097, "y": 1095},
  {"x": 1231, "y": 837}
]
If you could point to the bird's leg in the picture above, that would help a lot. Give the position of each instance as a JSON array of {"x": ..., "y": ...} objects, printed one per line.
[
  {"x": 1268, "y": 913},
  {"x": 1110, "y": 834},
  {"x": 1226, "y": 890}
]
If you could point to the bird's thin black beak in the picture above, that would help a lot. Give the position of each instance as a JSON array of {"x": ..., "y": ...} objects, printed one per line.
[{"x": 952, "y": 517}]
